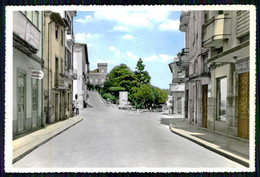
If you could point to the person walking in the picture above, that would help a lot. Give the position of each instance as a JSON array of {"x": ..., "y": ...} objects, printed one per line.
[{"x": 77, "y": 104}]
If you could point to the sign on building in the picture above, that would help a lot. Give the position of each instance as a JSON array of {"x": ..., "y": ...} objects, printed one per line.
[{"x": 37, "y": 74}]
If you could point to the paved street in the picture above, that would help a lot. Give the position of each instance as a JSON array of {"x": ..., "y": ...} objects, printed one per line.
[{"x": 108, "y": 137}]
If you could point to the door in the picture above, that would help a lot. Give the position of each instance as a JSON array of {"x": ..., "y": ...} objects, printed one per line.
[
  {"x": 204, "y": 104},
  {"x": 56, "y": 107},
  {"x": 243, "y": 105},
  {"x": 21, "y": 102},
  {"x": 34, "y": 102},
  {"x": 186, "y": 103},
  {"x": 195, "y": 103}
]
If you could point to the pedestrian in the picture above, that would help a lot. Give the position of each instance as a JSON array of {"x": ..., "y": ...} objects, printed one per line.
[
  {"x": 73, "y": 106},
  {"x": 77, "y": 107}
]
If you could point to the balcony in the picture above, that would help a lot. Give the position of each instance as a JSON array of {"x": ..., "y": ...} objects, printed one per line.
[
  {"x": 182, "y": 60},
  {"x": 26, "y": 36},
  {"x": 185, "y": 17},
  {"x": 74, "y": 74},
  {"x": 70, "y": 38},
  {"x": 179, "y": 80},
  {"x": 183, "y": 27},
  {"x": 216, "y": 30},
  {"x": 59, "y": 80},
  {"x": 177, "y": 88}
]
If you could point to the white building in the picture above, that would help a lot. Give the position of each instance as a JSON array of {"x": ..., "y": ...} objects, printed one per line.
[
  {"x": 28, "y": 108},
  {"x": 81, "y": 63}
]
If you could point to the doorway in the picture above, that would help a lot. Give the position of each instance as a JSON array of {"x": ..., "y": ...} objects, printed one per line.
[
  {"x": 21, "y": 110},
  {"x": 243, "y": 105},
  {"x": 34, "y": 102},
  {"x": 204, "y": 105}
]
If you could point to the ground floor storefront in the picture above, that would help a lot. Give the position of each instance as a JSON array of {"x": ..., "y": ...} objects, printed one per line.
[{"x": 28, "y": 112}]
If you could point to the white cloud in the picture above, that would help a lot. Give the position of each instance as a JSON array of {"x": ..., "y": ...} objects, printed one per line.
[
  {"x": 170, "y": 25},
  {"x": 151, "y": 58},
  {"x": 165, "y": 58},
  {"x": 128, "y": 37},
  {"x": 83, "y": 37},
  {"x": 113, "y": 49},
  {"x": 105, "y": 61},
  {"x": 159, "y": 58},
  {"x": 87, "y": 18},
  {"x": 131, "y": 56},
  {"x": 117, "y": 54},
  {"x": 121, "y": 28},
  {"x": 134, "y": 18},
  {"x": 94, "y": 36}
]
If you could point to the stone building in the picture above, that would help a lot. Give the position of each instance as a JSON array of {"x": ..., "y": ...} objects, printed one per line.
[
  {"x": 28, "y": 60},
  {"x": 226, "y": 35},
  {"x": 70, "y": 73},
  {"x": 196, "y": 68},
  {"x": 98, "y": 76},
  {"x": 177, "y": 89},
  {"x": 217, "y": 45},
  {"x": 81, "y": 63},
  {"x": 54, "y": 56}
]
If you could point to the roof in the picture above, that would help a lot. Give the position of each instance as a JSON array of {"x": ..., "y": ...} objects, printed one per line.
[
  {"x": 58, "y": 19},
  {"x": 94, "y": 71}
]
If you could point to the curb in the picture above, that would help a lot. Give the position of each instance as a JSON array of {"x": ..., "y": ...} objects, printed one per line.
[
  {"x": 19, "y": 157},
  {"x": 206, "y": 145}
]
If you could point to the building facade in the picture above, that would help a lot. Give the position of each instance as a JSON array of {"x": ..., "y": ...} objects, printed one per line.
[
  {"x": 81, "y": 63},
  {"x": 217, "y": 44},
  {"x": 226, "y": 36},
  {"x": 27, "y": 59},
  {"x": 70, "y": 73},
  {"x": 54, "y": 55},
  {"x": 98, "y": 76},
  {"x": 177, "y": 88}
]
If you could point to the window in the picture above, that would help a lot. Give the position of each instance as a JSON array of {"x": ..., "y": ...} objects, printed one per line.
[
  {"x": 205, "y": 61},
  {"x": 61, "y": 65},
  {"x": 244, "y": 39},
  {"x": 219, "y": 50},
  {"x": 61, "y": 38},
  {"x": 179, "y": 74},
  {"x": 220, "y": 12},
  {"x": 56, "y": 32},
  {"x": 221, "y": 98},
  {"x": 35, "y": 18}
]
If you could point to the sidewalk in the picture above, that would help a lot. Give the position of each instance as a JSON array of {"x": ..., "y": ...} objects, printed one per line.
[
  {"x": 26, "y": 144},
  {"x": 234, "y": 148}
]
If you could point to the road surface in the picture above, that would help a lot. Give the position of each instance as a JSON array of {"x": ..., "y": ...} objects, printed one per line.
[{"x": 112, "y": 138}]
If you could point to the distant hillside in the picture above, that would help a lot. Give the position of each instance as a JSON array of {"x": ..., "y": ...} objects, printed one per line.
[{"x": 167, "y": 91}]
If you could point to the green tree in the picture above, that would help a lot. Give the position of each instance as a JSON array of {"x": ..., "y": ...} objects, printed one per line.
[
  {"x": 141, "y": 74},
  {"x": 120, "y": 78}
]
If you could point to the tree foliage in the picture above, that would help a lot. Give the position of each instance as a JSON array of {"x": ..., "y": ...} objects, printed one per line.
[
  {"x": 141, "y": 93},
  {"x": 141, "y": 74}
]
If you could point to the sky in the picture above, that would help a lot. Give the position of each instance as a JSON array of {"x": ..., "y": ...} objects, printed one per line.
[{"x": 116, "y": 37}]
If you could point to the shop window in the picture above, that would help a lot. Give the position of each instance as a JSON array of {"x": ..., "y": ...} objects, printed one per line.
[{"x": 221, "y": 98}]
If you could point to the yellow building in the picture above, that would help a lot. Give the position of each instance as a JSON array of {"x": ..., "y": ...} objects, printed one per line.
[{"x": 54, "y": 54}]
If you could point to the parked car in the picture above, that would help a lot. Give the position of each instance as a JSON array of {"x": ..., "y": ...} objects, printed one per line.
[{"x": 126, "y": 107}]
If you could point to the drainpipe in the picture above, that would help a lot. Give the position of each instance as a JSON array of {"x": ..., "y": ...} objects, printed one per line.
[{"x": 43, "y": 116}]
